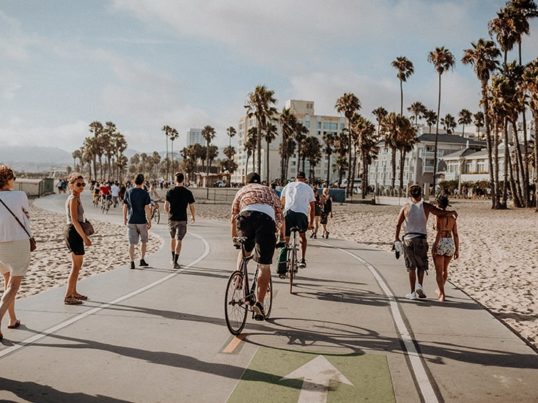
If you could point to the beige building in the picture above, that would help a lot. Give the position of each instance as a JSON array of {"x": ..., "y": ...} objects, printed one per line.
[{"x": 317, "y": 126}]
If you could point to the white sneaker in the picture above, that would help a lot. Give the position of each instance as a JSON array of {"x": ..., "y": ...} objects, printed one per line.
[
  {"x": 411, "y": 295},
  {"x": 419, "y": 291}
]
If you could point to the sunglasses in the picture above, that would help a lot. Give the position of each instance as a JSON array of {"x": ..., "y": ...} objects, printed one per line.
[{"x": 79, "y": 184}]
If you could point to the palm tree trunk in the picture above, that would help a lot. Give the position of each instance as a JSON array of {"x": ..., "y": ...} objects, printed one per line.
[
  {"x": 349, "y": 187},
  {"x": 167, "y": 161},
  {"x": 401, "y": 97},
  {"x": 259, "y": 149},
  {"x": 496, "y": 156},
  {"x": 463, "y": 131},
  {"x": 436, "y": 136},
  {"x": 512, "y": 181},
  {"x": 393, "y": 162},
  {"x": 267, "y": 163},
  {"x": 536, "y": 161},
  {"x": 364, "y": 179},
  {"x": 208, "y": 164},
  {"x": 172, "y": 155},
  {"x": 520, "y": 168},
  {"x": 402, "y": 166},
  {"x": 526, "y": 171},
  {"x": 246, "y": 164},
  {"x": 352, "y": 184},
  {"x": 485, "y": 102},
  {"x": 505, "y": 174}
]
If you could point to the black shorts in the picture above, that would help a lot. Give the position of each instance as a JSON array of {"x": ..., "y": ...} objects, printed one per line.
[
  {"x": 260, "y": 230},
  {"x": 294, "y": 219},
  {"x": 73, "y": 240},
  {"x": 324, "y": 218}
]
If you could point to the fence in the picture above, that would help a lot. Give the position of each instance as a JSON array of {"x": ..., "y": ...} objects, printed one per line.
[{"x": 214, "y": 195}]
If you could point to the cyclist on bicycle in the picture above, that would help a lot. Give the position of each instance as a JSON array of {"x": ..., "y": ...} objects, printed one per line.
[
  {"x": 299, "y": 206},
  {"x": 256, "y": 215},
  {"x": 105, "y": 192}
]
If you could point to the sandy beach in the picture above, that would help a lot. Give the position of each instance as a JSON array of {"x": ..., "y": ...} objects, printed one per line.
[
  {"x": 497, "y": 267},
  {"x": 51, "y": 263}
]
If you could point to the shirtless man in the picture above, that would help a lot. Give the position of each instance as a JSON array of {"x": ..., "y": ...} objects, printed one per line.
[{"x": 415, "y": 213}]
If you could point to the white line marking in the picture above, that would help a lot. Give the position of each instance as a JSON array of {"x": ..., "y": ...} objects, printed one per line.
[
  {"x": 423, "y": 381},
  {"x": 83, "y": 315}
]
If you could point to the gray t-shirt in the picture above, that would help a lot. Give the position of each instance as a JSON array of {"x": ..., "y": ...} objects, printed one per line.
[{"x": 136, "y": 200}]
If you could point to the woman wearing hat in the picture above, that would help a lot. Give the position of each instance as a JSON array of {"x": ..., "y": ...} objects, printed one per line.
[{"x": 445, "y": 247}]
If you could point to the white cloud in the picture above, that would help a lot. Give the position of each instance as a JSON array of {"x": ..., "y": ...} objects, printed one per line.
[{"x": 68, "y": 136}]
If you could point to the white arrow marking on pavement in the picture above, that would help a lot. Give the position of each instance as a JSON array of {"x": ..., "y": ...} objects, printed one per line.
[{"x": 316, "y": 374}]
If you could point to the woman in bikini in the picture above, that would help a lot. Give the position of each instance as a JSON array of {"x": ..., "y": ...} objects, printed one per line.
[{"x": 445, "y": 247}]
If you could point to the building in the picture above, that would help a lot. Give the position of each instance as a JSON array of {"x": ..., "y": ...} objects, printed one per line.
[
  {"x": 194, "y": 136},
  {"x": 418, "y": 162},
  {"x": 317, "y": 126}
]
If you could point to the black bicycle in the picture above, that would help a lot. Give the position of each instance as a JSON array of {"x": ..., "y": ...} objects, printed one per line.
[
  {"x": 292, "y": 259},
  {"x": 240, "y": 297}
]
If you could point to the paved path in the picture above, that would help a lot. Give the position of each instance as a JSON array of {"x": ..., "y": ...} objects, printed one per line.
[{"x": 158, "y": 335}]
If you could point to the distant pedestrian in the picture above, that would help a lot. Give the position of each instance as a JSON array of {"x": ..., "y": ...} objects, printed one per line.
[
  {"x": 415, "y": 214},
  {"x": 14, "y": 245},
  {"x": 137, "y": 216},
  {"x": 318, "y": 208},
  {"x": 115, "y": 191},
  {"x": 327, "y": 211},
  {"x": 177, "y": 200},
  {"x": 75, "y": 237},
  {"x": 446, "y": 246}
]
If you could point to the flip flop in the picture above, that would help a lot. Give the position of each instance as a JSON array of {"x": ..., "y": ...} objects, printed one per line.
[{"x": 16, "y": 325}]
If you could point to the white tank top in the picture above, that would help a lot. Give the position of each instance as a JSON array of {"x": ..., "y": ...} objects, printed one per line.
[{"x": 415, "y": 222}]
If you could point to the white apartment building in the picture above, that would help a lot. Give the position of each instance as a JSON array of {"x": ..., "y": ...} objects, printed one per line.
[
  {"x": 194, "y": 136},
  {"x": 418, "y": 162},
  {"x": 317, "y": 125}
]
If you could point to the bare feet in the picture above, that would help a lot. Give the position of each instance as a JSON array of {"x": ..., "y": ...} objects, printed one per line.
[{"x": 441, "y": 297}]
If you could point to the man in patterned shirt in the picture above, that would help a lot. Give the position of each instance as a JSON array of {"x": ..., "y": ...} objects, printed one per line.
[{"x": 256, "y": 215}]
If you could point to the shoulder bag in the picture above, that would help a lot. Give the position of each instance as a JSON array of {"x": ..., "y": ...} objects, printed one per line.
[{"x": 33, "y": 245}]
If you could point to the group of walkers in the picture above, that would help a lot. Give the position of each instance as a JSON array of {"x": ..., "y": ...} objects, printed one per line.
[{"x": 257, "y": 213}]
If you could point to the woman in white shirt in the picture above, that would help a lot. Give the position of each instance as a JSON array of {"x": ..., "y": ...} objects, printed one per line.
[{"x": 14, "y": 243}]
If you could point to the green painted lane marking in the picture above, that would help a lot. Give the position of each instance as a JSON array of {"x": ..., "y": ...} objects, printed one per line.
[{"x": 290, "y": 376}]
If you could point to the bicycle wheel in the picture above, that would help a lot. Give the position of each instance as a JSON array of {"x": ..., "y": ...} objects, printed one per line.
[
  {"x": 235, "y": 306},
  {"x": 292, "y": 265},
  {"x": 268, "y": 300}
]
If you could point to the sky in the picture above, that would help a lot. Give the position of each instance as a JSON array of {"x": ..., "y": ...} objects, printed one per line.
[{"x": 189, "y": 63}]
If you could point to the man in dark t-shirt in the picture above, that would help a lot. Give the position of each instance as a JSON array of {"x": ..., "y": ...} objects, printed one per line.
[
  {"x": 177, "y": 200},
  {"x": 136, "y": 210}
]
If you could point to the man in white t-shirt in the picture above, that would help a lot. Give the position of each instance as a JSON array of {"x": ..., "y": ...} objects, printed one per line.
[
  {"x": 115, "y": 191},
  {"x": 298, "y": 200}
]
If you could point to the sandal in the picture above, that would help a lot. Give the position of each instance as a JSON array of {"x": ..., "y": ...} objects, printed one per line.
[
  {"x": 72, "y": 300},
  {"x": 16, "y": 325},
  {"x": 80, "y": 297}
]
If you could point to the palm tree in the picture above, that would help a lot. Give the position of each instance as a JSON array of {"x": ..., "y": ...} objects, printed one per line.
[
  {"x": 465, "y": 118},
  {"x": 431, "y": 119},
  {"x": 405, "y": 141},
  {"x": 390, "y": 128},
  {"x": 174, "y": 134},
  {"x": 288, "y": 121},
  {"x": 328, "y": 139},
  {"x": 530, "y": 83},
  {"x": 478, "y": 120},
  {"x": 208, "y": 133},
  {"x": 483, "y": 56},
  {"x": 312, "y": 152},
  {"x": 260, "y": 104},
  {"x": 212, "y": 154},
  {"x": 366, "y": 140},
  {"x": 270, "y": 135},
  {"x": 166, "y": 129},
  {"x": 379, "y": 114},
  {"x": 449, "y": 123},
  {"x": 231, "y": 132},
  {"x": 418, "y": 110},
  {"x": 442, "y": 60},
  {"x": 404, "y": 69},
  {"x": 348, "y": 104},
  {"x": 300, "y": 136},
  {"x": 250, "y": 145},
  {"x": 97, "y": 129}
]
